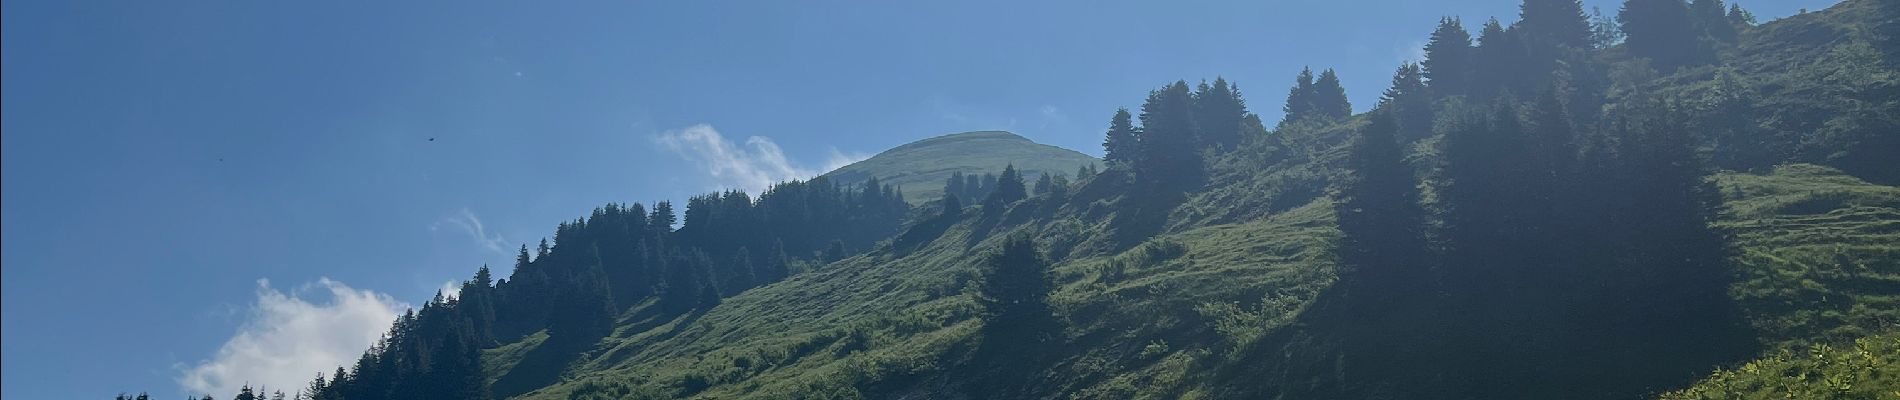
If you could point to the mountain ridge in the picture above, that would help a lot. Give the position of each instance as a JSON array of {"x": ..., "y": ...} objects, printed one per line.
[{"x": 919, "y": 168}]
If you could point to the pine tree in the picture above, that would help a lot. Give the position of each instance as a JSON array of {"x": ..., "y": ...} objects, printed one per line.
[
  {"x": 954, "y": 186},
  {"x": 1009, "y": 188},
  {"x": 1300, "y": 99},
  {"x": 1409, "y": 102},
  {"x": 1170, "y": 152},
  {"x": 1218, "y": 111},
  {"x": 1449, "y": 58},
  {"x": 1712, "y": 19},
  {"x": 1122, "y": 146},
  {"x": 1554, "y": 24},
  {"x": 1044, "y": 184},
  {"x": 951, "y": 206},
  {"x": 1379, "y": 214},
  {"x": 1329, "y": 97},
  {"x": 663, "y": 217},
  {"x": 1741, "y": 18},
  {"x": 1663, "y": 32},
  {"x": 1015, "y": 293},
  {"x": 1502, "y": 62}
]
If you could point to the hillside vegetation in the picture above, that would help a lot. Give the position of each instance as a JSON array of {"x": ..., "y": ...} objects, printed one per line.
[{"x": 1556, "y": 209}]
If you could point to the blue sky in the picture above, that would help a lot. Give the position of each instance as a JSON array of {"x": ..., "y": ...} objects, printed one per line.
[{"x": 163, "y": 159}]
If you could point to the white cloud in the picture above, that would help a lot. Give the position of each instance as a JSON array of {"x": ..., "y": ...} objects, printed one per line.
[
  {"x": 287, "y": 339},
  {"x": 471, "y": 225},
  {"x": 838, "y": 159},
  {"x": 450, "y": 289},
  {"x": 752, "y": 167}
]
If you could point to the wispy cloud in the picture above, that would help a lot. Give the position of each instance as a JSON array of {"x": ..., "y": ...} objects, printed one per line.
[
  {"x": 752, "y": 167},
  {"x": 286, "y": 339},
  {"x": 472, "y": 225}
]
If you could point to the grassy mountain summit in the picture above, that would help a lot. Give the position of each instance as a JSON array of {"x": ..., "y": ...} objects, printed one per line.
[{"x": 920, "y": 168}]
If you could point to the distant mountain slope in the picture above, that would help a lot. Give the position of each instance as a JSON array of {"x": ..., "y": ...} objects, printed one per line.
[{"x": 920, "y": 168}]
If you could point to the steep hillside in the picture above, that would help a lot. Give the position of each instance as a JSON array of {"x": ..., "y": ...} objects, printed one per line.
[
  {"x": 1616, "y": 231},
  {"x": 920, "y": 168}
]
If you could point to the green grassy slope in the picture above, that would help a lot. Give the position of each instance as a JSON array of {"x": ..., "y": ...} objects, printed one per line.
[
  {"x": 1160, "y": 296},
  {"x": 920, "y": 168},
  {"x": 1819, "y": 275}
]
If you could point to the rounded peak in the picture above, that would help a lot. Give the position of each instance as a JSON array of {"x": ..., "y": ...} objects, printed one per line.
[{"x": 961, "y": 137}]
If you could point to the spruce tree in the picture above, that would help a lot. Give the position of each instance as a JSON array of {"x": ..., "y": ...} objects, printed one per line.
[
  {"x": 955, "y": 185},
  {"x": 1329, "y": 97},
  {"x": 1170, "y": 151},
  {"x": 1379, "y": 215},
  {"x": 1015, "y": 293},
  {"x": 1122, "y": 146},
  {"x": 1009, "y": 188},
  {"x": 951, "y": 206},
  {"x": 1663, "y": 32},
  {"x": 1502, "y": 62},
  {"x": 1554, "y": 24},
  {"x": 1299, "y": 99},
  {"x": 1218, "y": 111},
  {"x": 663, "y": 217},
  {"x": 1711, "y": 17},
  {"x": 1409, "y": 102},
  {"x": 1449, "y": 58}
]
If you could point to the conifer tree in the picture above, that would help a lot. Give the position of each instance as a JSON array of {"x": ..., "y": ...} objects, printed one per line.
[
  {"x": 1044, "y": 184},
  {"x": 1299, "y": 99},
  {"x": 954, "y": 186},
  {"x": 1009, "y": 188},
  {"x": 1015, "y": 293},
  {"x": 1449, "y": 58},
  {"x": 1409, "y": 102},
  {"x": 1663, "y": 32},
  {"x": 1502, "y": 61},
  {"x": 663, "y": 217},
  {"x": 1554, "y": 24},
  {"x": 1329, "y": 97},
  {"x": 1122, "y": 146},
  {"x": 1170, "y": 151},
  {"x": 1741, "y": 18},
  {"x": 1711, "y": 17},
  {"x": 951, "y": 206},
  {"x": 1218, "y": 111},
  {"x": 1379, "y": 214}
]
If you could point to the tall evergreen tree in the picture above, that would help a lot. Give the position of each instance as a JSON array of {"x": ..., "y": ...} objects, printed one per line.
[
  {"x": 1122, "y": 146},
  {"x": 663, "y": 217},
  {"x": 1663, "y": 32},
  {"x": 1329, "y": 97},
  {"x": 1218, "y": 111},
  {"x": 954, "y": 186},
  {"x": 1170, "y": 151},
  {"x": 1502, "y": 62},
  {"x": 1711, "y": 17},
  {"x": 1044, "y": 184},
  {"x": 1299, "y": 99},
  {"x": 1379, "y": 215},
  {"x": 1409, "y": 102},
  {"x": 1015, "y": 294},
  {"x": 1554, "y": 24},
  {"x": 1009, "y": 188},
  {"x": 1449, "y": 58}
]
